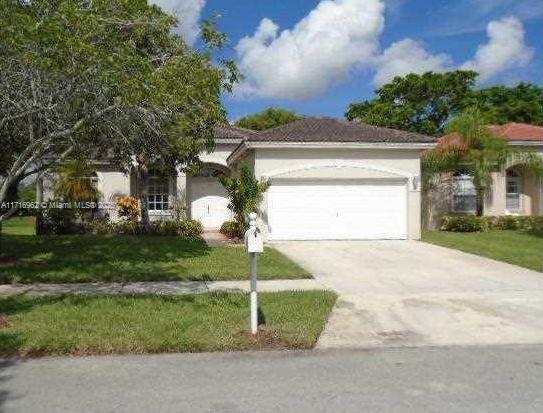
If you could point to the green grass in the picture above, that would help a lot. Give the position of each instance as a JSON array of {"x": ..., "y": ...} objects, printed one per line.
[
  {"x": 89, "y": 258},
  {"x": 514, "y": 247},
  {"x": 19, "y": 226},
  {"x": 80, "y": 325}
]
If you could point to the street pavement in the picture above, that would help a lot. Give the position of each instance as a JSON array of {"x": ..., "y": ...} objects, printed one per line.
[{"x": 456, "y": 379}]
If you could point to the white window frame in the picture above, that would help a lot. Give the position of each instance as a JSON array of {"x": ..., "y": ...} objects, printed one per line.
[
  {"x": 518, "y": 181},
  {"x": 158, "y": 194},
  {"x": 467, "y": 193}
]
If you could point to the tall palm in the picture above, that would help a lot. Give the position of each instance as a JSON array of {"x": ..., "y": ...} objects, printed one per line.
[{"x": 476, "y": 151}]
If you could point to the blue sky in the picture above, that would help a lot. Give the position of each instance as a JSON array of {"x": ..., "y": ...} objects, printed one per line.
[{"x": 338, "y": 51}]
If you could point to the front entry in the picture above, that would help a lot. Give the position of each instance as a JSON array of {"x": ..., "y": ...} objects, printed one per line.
[{"x": 209, "y": 202}]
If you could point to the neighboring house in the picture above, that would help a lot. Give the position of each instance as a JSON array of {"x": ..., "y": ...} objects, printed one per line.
[
  {"x": 330, "y": 179},
  {"x": 514, "y": 191}
]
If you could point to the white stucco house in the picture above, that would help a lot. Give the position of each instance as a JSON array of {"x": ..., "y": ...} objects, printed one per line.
[{"x": 330, "y": 179}]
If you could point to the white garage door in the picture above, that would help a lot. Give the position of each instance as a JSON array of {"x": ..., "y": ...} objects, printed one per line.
[{"x": 338, "y": 210}]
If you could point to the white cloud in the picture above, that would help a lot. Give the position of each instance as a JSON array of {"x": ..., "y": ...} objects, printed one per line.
[
  {"x": 505, "y": 49},
  {"x": 408, "y": 56},
  {"x": 321, "y": 49},
  {"x": 188, "y": 12}
]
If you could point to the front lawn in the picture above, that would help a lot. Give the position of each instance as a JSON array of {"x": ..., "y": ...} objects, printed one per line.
[
  {"x": 514, "y": 247},
  {"x": 19, "y": 226},
  {"x": 81, "y": 325},
  {"x": 89, "y": 258}
]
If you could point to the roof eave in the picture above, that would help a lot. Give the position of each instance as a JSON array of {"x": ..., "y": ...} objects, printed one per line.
[
  {"x": 525, "y": 143},
  {"x": 245, "y": 145}
]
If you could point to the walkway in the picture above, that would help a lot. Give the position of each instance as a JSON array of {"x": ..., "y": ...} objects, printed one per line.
[{"x": 164, "y": 288}]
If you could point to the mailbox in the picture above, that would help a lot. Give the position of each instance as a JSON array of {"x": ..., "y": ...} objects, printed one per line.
[
  {"x": 253, "y": 238},
  {"x": 254, "y": 241}
]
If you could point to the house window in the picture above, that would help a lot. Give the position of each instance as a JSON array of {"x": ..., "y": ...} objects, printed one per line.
[
  {"x": 512, "y": 191},
  {"x": 464, "y": 194},
  {"x": 158, "y": 194}
]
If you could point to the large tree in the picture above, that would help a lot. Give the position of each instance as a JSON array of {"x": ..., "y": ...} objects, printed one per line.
[
  {"x": 102, "y": 78},
  {"x": 417, "y": 103},
  {"x": 267, "y": 119},
  {"x": 522, "y": 103}
]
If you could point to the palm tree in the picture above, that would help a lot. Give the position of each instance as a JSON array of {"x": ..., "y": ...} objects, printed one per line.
[
  {"x": 76, "y": 182},
  {"x": 476, "y": 151},
  {"x": 245, "y": 193}
]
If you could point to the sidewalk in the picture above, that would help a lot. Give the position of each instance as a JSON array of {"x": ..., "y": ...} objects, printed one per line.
[{"x": 164, "y": 288}]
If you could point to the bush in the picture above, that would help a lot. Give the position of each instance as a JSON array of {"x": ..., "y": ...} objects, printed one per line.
[
  {"x": 60, "y": 221},
  {"x": 191, "y": 228},
  {"x": 231, "y": 229},
  {"x": 185, "y": 229},
  {"x": 472, "y": 223},
  {"x": 128, "y": 207},
  {"x": 465, "y": 223},
  {"x": 534, "y": 224}
]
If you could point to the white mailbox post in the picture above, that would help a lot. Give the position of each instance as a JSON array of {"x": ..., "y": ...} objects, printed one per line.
[{"x": 255, "y": 245}]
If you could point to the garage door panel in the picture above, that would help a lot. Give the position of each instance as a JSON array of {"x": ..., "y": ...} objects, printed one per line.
[{"x": 338, "y": 211}]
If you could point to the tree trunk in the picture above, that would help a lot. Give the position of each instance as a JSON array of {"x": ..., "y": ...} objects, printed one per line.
[
  {"x": 39, "y": 200},
  {"x": 480, "y": 202},
  {"x": 144, "y": 211}
]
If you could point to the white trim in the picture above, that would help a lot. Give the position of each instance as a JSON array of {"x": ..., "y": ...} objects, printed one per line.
[
  {"x": 244, "y": 146},
  {"x": 338, "y": 164},
  {"x": 347, "y": 164},
  {"x": 526, "y": 143}
]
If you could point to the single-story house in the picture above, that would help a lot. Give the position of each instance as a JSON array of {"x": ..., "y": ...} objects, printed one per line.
[
  {"x": 514, "y": 191},
  {"x": 330, "y": 179}
]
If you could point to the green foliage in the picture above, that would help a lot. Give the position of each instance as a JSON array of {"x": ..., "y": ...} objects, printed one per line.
[
  {"x": 417, "y": 103},
  {"x": 188, "y": 229},
  {"x": 76, "y": 182},
  {"x": 60, "y": 221},
  {"x": 124, "y": 258},
  {"x": 78, "y": 325},
  {"x": 106, "y": 77},
  {"x": 231, "y": 229},
  {"x": 472, "y": 223},
  {"x": 465, "y": 223},
  {"x": 245, "y": 193},
  {"x": 479, "y": 154},
  {"x": 267, "y": 119},
  {"x": 522, "y": 103}
]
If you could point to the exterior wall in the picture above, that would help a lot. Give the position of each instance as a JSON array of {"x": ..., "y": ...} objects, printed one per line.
[
  {"x": 111, "y": 184},
  {"x": 219, "y": 155},
  {"x": 397, "y": 163},
  {"x": 495, "y": 200}
]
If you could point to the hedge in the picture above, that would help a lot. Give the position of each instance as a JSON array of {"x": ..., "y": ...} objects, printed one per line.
[{"x": 472, "y": 223}]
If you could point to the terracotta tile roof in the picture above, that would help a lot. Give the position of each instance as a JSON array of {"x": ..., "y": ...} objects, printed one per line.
[
  {"x": 517, "y": 132},
  {"x": 320, "y": 129}
]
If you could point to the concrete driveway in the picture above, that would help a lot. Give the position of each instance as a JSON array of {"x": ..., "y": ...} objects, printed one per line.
[{"x": 409, "y": 293}]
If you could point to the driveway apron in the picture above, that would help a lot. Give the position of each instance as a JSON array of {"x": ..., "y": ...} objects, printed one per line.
[{"x": 409, "y": 293}]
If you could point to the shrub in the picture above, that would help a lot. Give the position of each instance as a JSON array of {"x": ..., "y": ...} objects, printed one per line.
[
  {"x": 128, "y": 207},
  {"x": 508, "y": 222},
  {"x": 472, "y": 223},
  {"x": 191, "y": 228},
  {"x": 185, "y": 229},
  {"x": 60, "y": 221},
  {"x": 231, "y": 229},
  {"x": 465, "y": 223},
  {"x": 533, "y": 224},
  {"x": 166, "y": 227}
]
